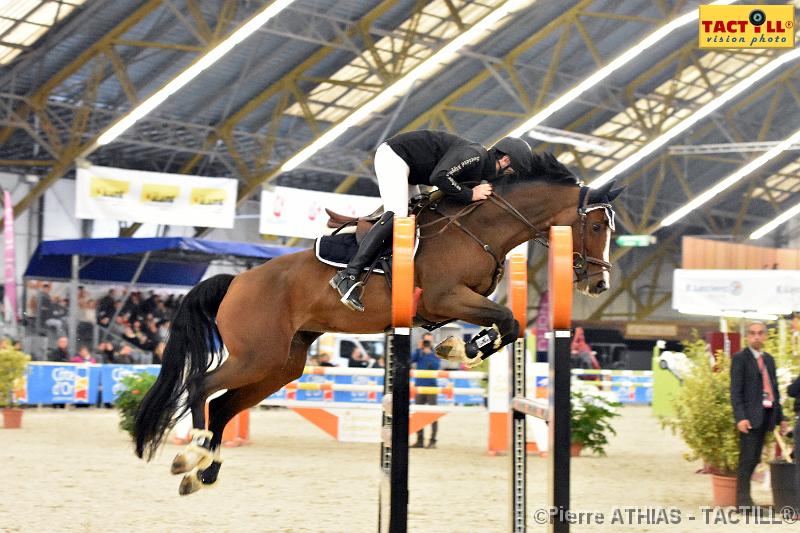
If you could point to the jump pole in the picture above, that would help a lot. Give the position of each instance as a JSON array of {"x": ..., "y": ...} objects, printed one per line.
[
  {"x": 557, "y": 410},
  {"x": 393, "y": 497}
]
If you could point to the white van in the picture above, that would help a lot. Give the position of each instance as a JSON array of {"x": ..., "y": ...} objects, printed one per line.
[{"x": 340, "y": 346}]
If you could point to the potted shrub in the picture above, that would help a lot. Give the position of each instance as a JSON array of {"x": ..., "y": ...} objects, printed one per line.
[
  {"x": 13, "y": 364},
  {"x": 590, "y": 422},
  {"x": 704, "y": 419},
  {"x": 128, "y": 401}
]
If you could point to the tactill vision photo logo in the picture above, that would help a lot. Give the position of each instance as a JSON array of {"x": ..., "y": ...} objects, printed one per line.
[{"x": 746, "y": 26}]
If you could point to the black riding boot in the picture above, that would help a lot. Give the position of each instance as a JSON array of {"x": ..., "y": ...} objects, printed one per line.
[{"x": 347, "y": 281}]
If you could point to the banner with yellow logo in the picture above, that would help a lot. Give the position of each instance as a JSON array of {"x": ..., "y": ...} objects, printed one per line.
[
  {"x": 747, "y": 26},
  {"x": 155, "y": 197}
]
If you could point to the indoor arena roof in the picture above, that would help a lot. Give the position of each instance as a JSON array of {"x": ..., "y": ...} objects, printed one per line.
[{"x": 317, "y": 63}]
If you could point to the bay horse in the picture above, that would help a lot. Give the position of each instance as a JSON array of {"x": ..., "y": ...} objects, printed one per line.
[{"x": 267, "y": 317}]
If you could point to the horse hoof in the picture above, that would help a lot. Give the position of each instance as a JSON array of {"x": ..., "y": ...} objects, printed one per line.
[
  {"x": 193, "y": 456},
  {"x": 189, "y": 484},
  {"x": 451, "y": 349},
  {"x": 180, "y": 465}
]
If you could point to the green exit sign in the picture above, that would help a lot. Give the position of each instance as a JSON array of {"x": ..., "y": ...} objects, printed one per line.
[{"x": 635, "y": 240}]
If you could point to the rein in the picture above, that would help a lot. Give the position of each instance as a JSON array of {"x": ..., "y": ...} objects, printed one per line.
[{"x": 581, "y": 260}]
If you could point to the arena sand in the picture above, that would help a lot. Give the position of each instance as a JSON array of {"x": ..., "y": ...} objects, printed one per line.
[{"x": 74, "y": 470}]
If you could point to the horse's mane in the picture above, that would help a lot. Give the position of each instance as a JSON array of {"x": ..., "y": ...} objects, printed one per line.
[{"x": 545, "y": 168}]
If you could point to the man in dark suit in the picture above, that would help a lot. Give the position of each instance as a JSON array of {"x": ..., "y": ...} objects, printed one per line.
[{"x": 756, "y": 405}]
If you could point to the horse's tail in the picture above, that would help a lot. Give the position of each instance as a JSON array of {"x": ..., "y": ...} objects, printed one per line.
[{"x": 193, "y": 346}]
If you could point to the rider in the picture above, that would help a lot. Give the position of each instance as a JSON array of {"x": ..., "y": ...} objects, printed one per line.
[{"x": 432, "y": 158}]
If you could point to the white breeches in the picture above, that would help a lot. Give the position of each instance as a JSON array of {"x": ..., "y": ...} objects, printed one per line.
[{"x": 392, "y": 173}]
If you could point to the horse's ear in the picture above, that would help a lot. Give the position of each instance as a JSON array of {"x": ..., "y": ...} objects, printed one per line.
[
  {"x": 613, "y": 193},
  {"x": 598, "y": 196}
]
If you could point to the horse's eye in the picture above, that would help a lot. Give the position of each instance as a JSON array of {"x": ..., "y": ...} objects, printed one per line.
[{"x": 596, "y": 226}]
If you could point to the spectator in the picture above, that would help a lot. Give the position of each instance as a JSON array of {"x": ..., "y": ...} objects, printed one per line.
[
  {"x": 161, "y": 312},
  {"x": 756, "y": 406},
  {"x": 794, "y": 392},
  {"x": 423, "y": 358},
  {"x": 358, "y": 359},
  {"x": 84, "y": 356},
  {"x": 105, "y": 352},
  {"x": 582, "y": 354},
  {"x": 124, "y": 356},
  {"x": 106, "y": 307},
  {"x": 325, "y": 359},
  {"x": 120, "y": 325},
  {"x": 50, "y": 311},
  {"x": 60, "y": 354}
]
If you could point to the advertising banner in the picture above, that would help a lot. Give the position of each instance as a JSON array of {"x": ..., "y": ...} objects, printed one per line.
[
  {"x": 154, "y": 197},
  {"x": 301, "y": 213},
  {"x": 111, "y": 376},
  {"x": 10, "y": 284},
  {"x": 719, "y": 291},
  {"x": 49, "y": 383}
]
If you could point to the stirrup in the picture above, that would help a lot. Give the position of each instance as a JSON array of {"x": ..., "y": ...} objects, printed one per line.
[{"x": 352, "y": 299}]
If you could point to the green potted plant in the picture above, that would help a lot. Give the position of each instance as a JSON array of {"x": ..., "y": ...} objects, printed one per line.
[
  {"x": 590, "y": 422},
  {"x": 13, "y": 364},
  {"x": 704, "y": 419},
  {"x": 128, "y": 401}
]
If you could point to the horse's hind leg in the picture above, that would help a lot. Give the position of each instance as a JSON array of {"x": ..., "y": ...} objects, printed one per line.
[
  {"x": 223, "y": 408},
  {"x": 233, "y": 373},
  {"x": 197, "y": 453}
]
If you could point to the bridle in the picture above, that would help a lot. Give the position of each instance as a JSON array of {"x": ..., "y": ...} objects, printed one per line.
[{"x": 580, "y": 261}]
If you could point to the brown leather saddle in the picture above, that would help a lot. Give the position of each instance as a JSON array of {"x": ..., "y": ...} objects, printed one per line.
[{"x": 338, "y": 221}]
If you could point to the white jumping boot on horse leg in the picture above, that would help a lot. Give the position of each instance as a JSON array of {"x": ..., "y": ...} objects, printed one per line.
[
  {"x": 195, "y": 455},
  {"x": 471, "y": 354}
]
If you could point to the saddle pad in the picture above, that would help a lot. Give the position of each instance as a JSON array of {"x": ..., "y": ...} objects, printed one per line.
[{"x": 337, "y": 250}]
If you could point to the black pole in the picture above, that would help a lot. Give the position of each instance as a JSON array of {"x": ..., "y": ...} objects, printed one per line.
[
  {"x": 400, "y": 401},
  {"x": 559, "y": 448}
]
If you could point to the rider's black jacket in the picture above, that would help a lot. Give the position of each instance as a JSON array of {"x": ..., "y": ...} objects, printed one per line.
[{"x": 444, "y": 160}]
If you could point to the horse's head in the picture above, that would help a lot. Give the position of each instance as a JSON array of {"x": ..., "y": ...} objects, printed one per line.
[{"x": 591, "y": 237}]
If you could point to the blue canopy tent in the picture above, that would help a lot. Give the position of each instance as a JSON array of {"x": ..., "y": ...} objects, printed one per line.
[
  {"x": 162, "y": 260},
  {"x": 175, "y": 261}
]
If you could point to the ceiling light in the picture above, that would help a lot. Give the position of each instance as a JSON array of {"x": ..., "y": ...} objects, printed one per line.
[
  {"x": 601, "y": 74},
  {"x": 401, "y": 86},
  {"x": 775, "y": 222},
  {"x": 578, "y": 140},
  {"x": 696, "y": 116},
  {"x": 191, "y": 72},
  {"x": 734, "y": 178}
]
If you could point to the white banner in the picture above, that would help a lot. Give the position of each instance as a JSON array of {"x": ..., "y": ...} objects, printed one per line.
[
  {"x": 301, "y": 213},
  {"x": 155, "y": 197},
  {"x": 718, "y": 291}
]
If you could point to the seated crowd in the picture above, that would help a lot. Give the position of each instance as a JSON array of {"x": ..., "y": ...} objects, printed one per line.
[{"x": 117, "y": 328}]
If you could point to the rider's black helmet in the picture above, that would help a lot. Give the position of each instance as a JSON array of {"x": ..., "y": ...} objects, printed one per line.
[{"x": 518, "y": 151}]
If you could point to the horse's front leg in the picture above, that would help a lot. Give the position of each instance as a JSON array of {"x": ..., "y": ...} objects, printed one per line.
[{"x": 465, "y": 304}]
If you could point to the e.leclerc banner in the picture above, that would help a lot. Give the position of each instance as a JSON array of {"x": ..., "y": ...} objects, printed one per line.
[{"x": 155, "y": 197}]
